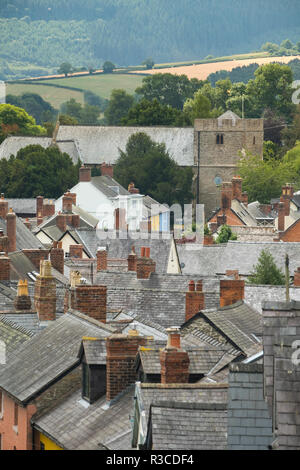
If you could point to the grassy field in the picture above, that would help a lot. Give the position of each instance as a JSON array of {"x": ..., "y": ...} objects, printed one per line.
[
  {"x": 101, "y": 85},
  {"x": 55, "y": 96},
  {"x": 251, "y": 55}
]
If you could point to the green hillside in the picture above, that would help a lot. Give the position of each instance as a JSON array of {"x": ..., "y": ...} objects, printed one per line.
[{"x": 37, "y": 34}]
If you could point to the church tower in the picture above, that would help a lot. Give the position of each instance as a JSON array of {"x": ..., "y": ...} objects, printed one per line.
[{"x": 217, "y": 146}]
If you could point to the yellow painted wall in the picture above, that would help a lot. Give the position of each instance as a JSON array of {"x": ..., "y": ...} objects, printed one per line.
[
  {"x": 155, "y": 223},
  {"x": 49, "y": 445}
]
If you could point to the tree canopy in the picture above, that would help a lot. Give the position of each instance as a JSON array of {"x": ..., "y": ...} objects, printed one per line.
[
  {"x": 118, "y": 106},
  {"x": 154, "y": 172},
  {"x": 15, "y": 120},
  {"x": 266, "y": 272},
  {"x": 225, "y": 234},
  {"x": 153, "y": 113},
  {"x": 35, "y": 105},
  {"x": 36, "y": 170}
]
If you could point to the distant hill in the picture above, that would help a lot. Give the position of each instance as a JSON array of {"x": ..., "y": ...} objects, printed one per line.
[{"x": 39, "y": 34}]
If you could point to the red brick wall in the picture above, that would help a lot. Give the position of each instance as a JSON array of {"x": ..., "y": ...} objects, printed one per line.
[
  {"x": 121, "y": 352},
  {"x": 90, "y": 300},
  {"x": 4, "y": 268},
  {"x": 48, "y": 209},
  {"x": 22, "y": 439},
  {"x": 144, "y": 267},
  {"x": 132, "y": 262},
  {"x": 57, "y": 258},
  {"x": 231, "y": 291},
  {"x": 4, "y": 243},
  {"x": 75, "y": 251},
  {"x": 3, "y": 208},
  {"x": 39, "y": 206},
  {"x": 107, "y": 170},
  {"x": 85, "y": 174},
  {"x": 61, "y": 222},
  {"x": 292, "y": 234},
  {"x": 174, "y": 366},
  {"x": 297, "y": 278},
  {"x": 67, "y": 202},
  {"x": 194, "y": 300},
  {"x": 101, "y": 260}
]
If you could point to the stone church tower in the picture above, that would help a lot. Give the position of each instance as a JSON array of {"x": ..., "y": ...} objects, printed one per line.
[{"x": 217, "y": 145}]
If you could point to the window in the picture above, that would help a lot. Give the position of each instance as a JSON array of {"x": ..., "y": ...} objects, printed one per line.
[
  {"x": 1, "y": 404},
  {"x": 16, "y": 417},
  {"x": 220, "y": 139}
]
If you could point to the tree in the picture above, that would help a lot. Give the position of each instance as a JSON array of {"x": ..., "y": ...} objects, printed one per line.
[
  {"x": 272, "y": 88},
  {"x": 149, "y": 63},
  {"x": 66, "y": 120},
  {"x": 225, "y": 234},
  {"x": 168, "y": 89},
  {"x": 15, "y": 120},
  {"x": 35, "y": 170},
  {"x": 119, "y": 104},
  {"x": 266, "y": 272},
  {"x": 197, "y": 108},
  {"x": 84, "y": 115},
  {"x": 108, "y": 67},
  {"x": 152, "y": 113},
  {"x": 65, "y": 68},
  {"x": 153, "y": 171},
  {"x": 34, "y": 105},
  {"x": 286, "y": 44}
]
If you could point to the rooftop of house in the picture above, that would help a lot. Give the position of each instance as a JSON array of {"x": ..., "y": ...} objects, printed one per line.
[
  {"x": 22, "y": 206},
  {"x": 242, "y": 256},
  {"x": 160, "y": 298},
  {"x": 101, "y": 144},
  {"x": 77, "y": 425},
  {"x": 40, "y": 361},
  {"x": 187, "y": 426},
  {"x": 24, "y": 238},
  {"x": 237, "y": 325},
  {"x": 12, "y": 335}
]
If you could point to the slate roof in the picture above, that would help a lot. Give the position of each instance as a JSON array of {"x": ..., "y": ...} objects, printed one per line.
[
  {"x": 12, "y": 335},
  {"x": 94, "y": 350},
  {"x": 91, "y": 427},
  {"x": 98, "y": 144},
  {"x": 229, "y": 115},
  {"x": 249, "y": 421},
  {"x": 201, "y": 360},
  {"x": 48, "y": 355},
  {"x": 254, "y": 209},
  {"x": 22, "y": 206},
  {"x": 160, "y": 299},
  {"x": 211, "y": 260},
  {"x": 237, "y": 325},
  {"x": 24, "y": 237},
  {"x": 11, "y": 145},
  {"x": 188, "y": 426}
]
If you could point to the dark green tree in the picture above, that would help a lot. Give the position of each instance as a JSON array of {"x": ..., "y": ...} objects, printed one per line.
[
  {"x": 108, "y": 67},
  {"x": 225, "y": 234},
  {"x": 65, "y": 68},
  {"x": 149, "y": 63},
  {"x": 168, "y": 89},
  {"x": 153, "y": 171},
  {"x": 152, "y": 113},
  {"x": 119, "y": 104},
  {"x": 35, "y": 105},
  {"x": 266, "y": 271},
  {"x": 36, "y": 170}
]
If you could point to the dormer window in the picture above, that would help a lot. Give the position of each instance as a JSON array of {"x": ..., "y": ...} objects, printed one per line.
[
  {"x": 220, "y": 139},
  {"x": 92, "y": 354}
]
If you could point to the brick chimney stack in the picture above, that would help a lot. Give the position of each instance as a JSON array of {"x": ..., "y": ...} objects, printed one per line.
[
  {"x": 48, "y": 208},
  {"x": 297, "y": 278},
  {"x": 22, "y": 301},
  {"x": 67, "y": 202},
  {"x": 245, "y": 198},
  {"x": 85, "y": 174},
  {"x": 132, "y": 189},
  {"x": 76, "y": 251},
  {"x": 194, "y": 300},
  {"x": 231, "y": 290},
  {"x": 101, "y": 259},
  {"x": 4, "y": 243},
  {"x": 107, "y": 170},
  {"x": 11, "y": 229},
  {"x": 132, "y": 260},
  {"x": 121, "y": 351},
  {"x": 57, "y": 257},
  {"x": 144, "y": 264},
  {"x": 90, "y": 300},
  {"x": 286, "y": 196},
  {"x": 4, "y": 267},
  {"x": 61, "y": 221},
  {"x": 226, "y": 195},
  {"x": 173, "y": 360},
  {"x": 281, "y": 215},
  {"x": 237, "y": 188},
  {"x": 45, "y": 293},
  {"x": 3, "y": 207},
  {"x": 39, "y": 206}
]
